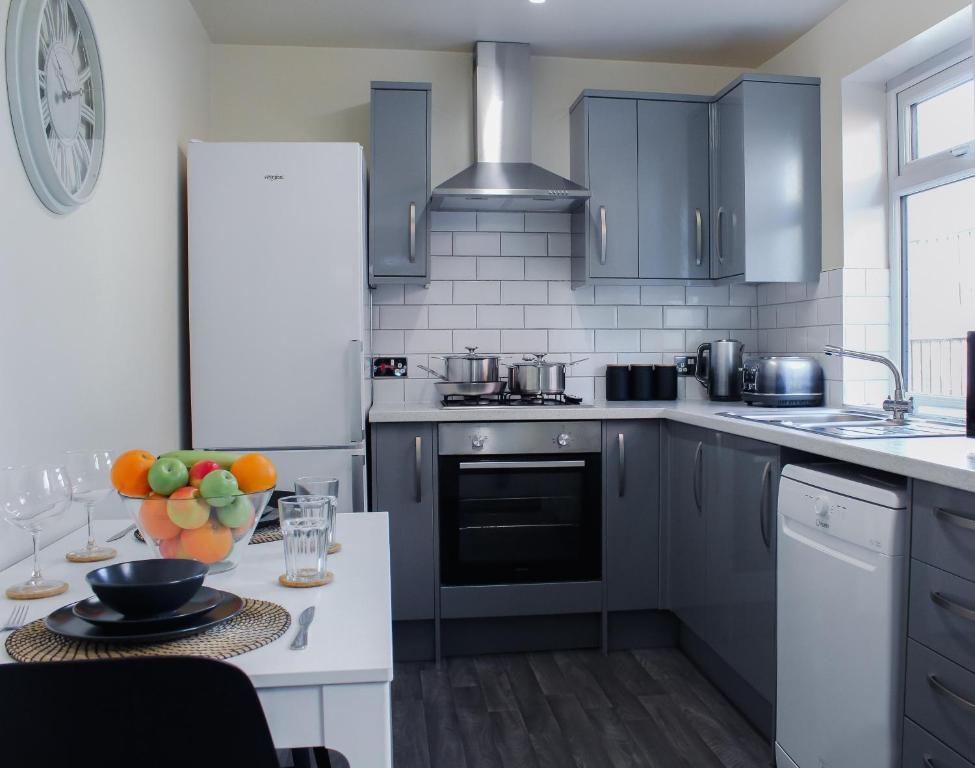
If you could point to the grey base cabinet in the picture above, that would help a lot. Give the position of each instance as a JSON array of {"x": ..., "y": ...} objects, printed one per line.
[
  {"x": 403, "y": 483},
  {"x": 631, "y": 493}
]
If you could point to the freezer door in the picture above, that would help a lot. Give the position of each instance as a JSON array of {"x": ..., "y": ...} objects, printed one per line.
[
  {"x": 348, "y": 466},
  {"x": 277, "y": 294}
]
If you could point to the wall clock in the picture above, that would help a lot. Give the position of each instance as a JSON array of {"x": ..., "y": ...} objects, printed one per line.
[{"x": 57, "y": 99}]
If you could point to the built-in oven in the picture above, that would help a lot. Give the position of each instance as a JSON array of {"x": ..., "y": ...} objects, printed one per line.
[{"x": 520, "y": 502}]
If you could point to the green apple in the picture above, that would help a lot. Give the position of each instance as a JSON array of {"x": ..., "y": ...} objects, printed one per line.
[
  {"x": 166, "y": 475},
  {"x": 186, "y": 509},
  {"x": 219, "y": 488},
  {"x": 236, "y": 513}
]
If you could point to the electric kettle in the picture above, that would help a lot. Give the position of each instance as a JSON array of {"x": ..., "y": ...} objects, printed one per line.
[{"x": 719, "y": 368}]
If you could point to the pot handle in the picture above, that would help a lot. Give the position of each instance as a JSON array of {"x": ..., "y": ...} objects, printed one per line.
[
  {"x": 700, "y": 372},
  {"x": 430, "y": 370},
  {"x": 580, "y": 360}
]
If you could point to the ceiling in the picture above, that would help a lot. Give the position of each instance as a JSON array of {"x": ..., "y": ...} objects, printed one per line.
[{"x": 741, "y": 33}]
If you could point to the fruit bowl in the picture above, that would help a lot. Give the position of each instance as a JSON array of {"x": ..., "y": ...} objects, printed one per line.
[{"x": 189, "y": 526}]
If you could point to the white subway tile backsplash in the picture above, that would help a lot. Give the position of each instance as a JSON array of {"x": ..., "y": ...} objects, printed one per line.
[
  {"x": 524, "y": 292},
  {"x": 806, "y": 313},
  {"x": 835, "y": 282},
  {"x": 388, "y": 391},
  {"x": 500, "y": 222},
  {"x": 580, "y": 386},
  {"x": 500, "y": 316},
  {"x": 427, "y": 341},
  {"x": 785, "y": 316},
  {"x": 592, "y": 364},
  {"x": 405, "y": 317},
  {"x": 548, "y": 222},
  {"x": 776, "y": 293},
  {"x": 524, "y": 244},
  {"x": 421, "y": 391},
  {"x": 618, "y": 341},
  {"x": 707, "y": 295},
  {"x": 685, "y": 317},
  {"x": 387, "y": 294},
  {"x": 767, "y": 317},
  {"x": 548, "y": 317},
  {"x": 477, "y": 244},
  {"x": 662, "y": 341},
  {"x": 521, "y": 341},
  {"x": 639, "y": 358},
  {"x": 617, "y": 294},
  {"x": 435, "y": 292},
  {"x": 593, "y": 317},
  {"x": 387, "y": 342},
  {"x": 854, "y": 282},
  {"x": 441, "y": 243},
  {"x": 639, "y": 317},
  {"x": 744, "y": 295},
  {"x": 548, "y": 269},
  {"x": 877, "y": 282},
  {"x": 571, "y": 341},
  {"x": 795, "y": 291},
  {"x": 485, "y": 341},
  {"x": 453, "y": 268},
  {"x": 660, "y": 295},
  {"x": 452, "y": 316},
  {"x": 866, "y": 309},
  {"x": 877, "y": 338},
  {"x": 500, "y": 268},
  {"x": 729, "y": 317},
  {"x": 477, "y": 292},
  {"x": 830, "y": 311},
  {"x": 563, "y": 293},
  {"x": 452, "y": 221},
  {"x": 559, "y": 245}
]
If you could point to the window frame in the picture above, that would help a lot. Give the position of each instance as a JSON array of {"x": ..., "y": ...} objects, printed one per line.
[{"x": 907, "y": 176}]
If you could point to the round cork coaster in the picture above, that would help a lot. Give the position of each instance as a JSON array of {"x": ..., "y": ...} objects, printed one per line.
[
  {"x": 36, "y": 594},
  {"x": 73, "y": 557},
  {"x": 334, "y": 548},
  {"x": 283, "y": 581},
  {"x": 260, "y": 623}
]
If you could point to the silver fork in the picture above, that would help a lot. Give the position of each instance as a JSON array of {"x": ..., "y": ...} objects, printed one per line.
[{"x": 17, "y": 619}]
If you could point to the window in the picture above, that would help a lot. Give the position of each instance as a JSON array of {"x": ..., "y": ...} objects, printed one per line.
[{"x": 932, "y": 185}]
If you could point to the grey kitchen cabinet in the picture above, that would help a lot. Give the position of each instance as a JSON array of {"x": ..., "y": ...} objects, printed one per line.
[
  {"x": 740, "y": 493},
  {"x": 673, "y": 167},
  {"x": 403, "y": 485},
  {"x": 631, "y": 492},
  {"x": 604, "y": 159},
  {"x": 399, "y": 184},
  {"x": 766, "y": 202},
  {"x": 684, "y": 529}
]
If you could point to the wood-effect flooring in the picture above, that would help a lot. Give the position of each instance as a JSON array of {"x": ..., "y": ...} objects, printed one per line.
[{"x": 572, "y": 709}]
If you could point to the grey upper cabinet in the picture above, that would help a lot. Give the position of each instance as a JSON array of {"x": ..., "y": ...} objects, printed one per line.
[
  {"x": 767, "y": 199},
  {"x": 403, "y": 485},
  {"x": 399, "y": 186},
  {"x": 631, "y": 450},
  {"x": 609, "y": 223},
  {"x": 674, "y": 189}
]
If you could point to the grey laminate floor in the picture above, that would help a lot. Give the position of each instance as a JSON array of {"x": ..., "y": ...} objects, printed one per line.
[{"x": 572, "y": 709}]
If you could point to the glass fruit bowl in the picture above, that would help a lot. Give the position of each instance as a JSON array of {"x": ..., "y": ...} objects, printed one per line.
[{"x": 185, "y": 525}]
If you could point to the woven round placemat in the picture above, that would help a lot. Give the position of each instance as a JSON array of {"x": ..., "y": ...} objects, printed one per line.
[
  {"x": 263, "y": 536},
  {"x": 259, "y": 623}
]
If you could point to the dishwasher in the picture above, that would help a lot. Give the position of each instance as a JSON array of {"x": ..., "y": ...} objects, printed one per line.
[{"x": 841, "y": 623}]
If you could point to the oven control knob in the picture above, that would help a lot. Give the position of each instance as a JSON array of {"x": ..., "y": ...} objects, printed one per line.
[
  {"x": 563, "y": 439},
  {"x": 821, "y": 506},
  {"x": 478, "y": 441}
]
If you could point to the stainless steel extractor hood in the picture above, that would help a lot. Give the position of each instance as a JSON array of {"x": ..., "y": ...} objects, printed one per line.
[{"x": 504, "y": 177}]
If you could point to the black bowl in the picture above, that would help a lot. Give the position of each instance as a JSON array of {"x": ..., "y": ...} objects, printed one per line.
[{"x": 147, "y": 587}]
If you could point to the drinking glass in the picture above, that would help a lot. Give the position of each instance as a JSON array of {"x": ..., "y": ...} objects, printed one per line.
[
  {"x": 304, "y": 530},
  {"x": 322, "y": 486},
  {"x": 31, "y": 498},
  {"x": 90, "y": 473}
]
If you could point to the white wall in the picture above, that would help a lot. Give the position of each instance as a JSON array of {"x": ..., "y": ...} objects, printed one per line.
[
  {"x": 289, "y": 93},
  {"x": 854, "y": 35},
  {"x": 90, "y": 307}
]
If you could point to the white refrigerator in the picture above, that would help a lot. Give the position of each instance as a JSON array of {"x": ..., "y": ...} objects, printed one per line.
[{"x": 279, "y": 307}]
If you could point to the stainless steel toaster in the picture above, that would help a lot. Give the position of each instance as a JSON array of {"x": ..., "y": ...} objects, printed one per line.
[{"x": 780, "y": 381}]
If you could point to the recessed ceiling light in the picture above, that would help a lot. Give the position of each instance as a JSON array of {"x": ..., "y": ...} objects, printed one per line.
[{"x": 536, "y": 2}]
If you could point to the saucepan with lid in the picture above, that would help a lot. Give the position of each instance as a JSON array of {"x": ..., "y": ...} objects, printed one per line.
[
  {"x": 536, "y": 376},
  {"x": 470, "y": 368}
]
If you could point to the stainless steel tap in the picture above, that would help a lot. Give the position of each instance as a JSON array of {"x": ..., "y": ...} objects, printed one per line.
[{"x": 898, "y": 405}]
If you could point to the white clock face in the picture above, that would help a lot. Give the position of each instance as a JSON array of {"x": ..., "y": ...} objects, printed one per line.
[{"x": 57, "y": 98}]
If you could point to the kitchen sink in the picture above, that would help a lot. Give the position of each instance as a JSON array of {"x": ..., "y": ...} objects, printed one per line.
[{"x": 848, "y": 424}]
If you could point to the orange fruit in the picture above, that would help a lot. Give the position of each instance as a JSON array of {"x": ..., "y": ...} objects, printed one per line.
[
  {"x": 154, "y": 518},
  {"x": 254, "y": 472},
  {"x": 209, "y": 543},
  {"x": 130, "y": 473}
]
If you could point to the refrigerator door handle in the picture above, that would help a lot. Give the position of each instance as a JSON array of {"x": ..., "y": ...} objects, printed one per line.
[
  {"x": 355, "y": 364},
  {"x": 358, "y": 491}
]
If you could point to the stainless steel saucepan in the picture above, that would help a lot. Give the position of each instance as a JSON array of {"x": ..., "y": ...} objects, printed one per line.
[
  {"x": 464, "y": 388},
  {"x": 470, "y": 368},
  {"x": 537, "y": 376}
]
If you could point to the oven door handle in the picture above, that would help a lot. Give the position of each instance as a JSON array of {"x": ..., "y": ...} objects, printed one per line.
[{"x": 575, "y": 463}]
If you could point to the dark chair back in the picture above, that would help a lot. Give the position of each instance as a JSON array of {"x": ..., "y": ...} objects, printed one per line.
[{"x": 136, "y": 713}]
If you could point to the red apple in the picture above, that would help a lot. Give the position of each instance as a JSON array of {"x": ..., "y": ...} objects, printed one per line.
[
  {"x": 186, "y": 508},
  {"x": 200, "y": 470},
  {"x": 172, "y": 549}
]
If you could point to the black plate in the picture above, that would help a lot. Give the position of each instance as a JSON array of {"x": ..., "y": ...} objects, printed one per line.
[
  {"x": 64, "y": 622},
  {"x": 95, "y": 611}
]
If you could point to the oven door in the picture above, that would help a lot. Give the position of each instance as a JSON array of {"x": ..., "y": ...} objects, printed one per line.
[{"x": 520, "y": 519}]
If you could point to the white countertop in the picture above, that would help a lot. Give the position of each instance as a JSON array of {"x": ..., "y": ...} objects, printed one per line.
[
  {"x": 350, "y": 640},
  {"x": 941, "y": 460}
]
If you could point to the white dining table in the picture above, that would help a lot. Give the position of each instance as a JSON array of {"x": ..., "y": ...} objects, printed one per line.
[{"x": 336, "y": 692}]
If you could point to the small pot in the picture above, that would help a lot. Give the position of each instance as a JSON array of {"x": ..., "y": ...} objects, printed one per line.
[
  {"x": 470, "y": 368},
  {"x": 535, "y": 376}
]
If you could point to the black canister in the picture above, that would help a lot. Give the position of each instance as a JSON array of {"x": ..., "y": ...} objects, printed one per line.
[
  {"x": 665, "y": 382},
  {"x": 617, "y": 382},
  {"x": 970, "y": 399},
  {"x": 641, "y": 382}
]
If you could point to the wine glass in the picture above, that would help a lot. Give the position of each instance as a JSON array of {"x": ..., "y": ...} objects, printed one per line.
[
  {"x": 32, "y": 498},
  {"x": 90, "y": 473}
]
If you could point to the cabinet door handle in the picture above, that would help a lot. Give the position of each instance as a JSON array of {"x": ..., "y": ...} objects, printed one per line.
[
  {"x": 620, "y": 440},
  {"x": 952, "y": 607},
  {"x": 418, "y": 468},
  {"x": 962, "y": 521},
  {"x": 696, "y": 480},
  {"x": 412, "y": 232},
  {"x": 699, "y": 234},
  {"x": 763, "y": 505},
  {"x": 720, "y": 235},
  {"x": 602, "y": 234},
  {"x": 960, "y": 701}
]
